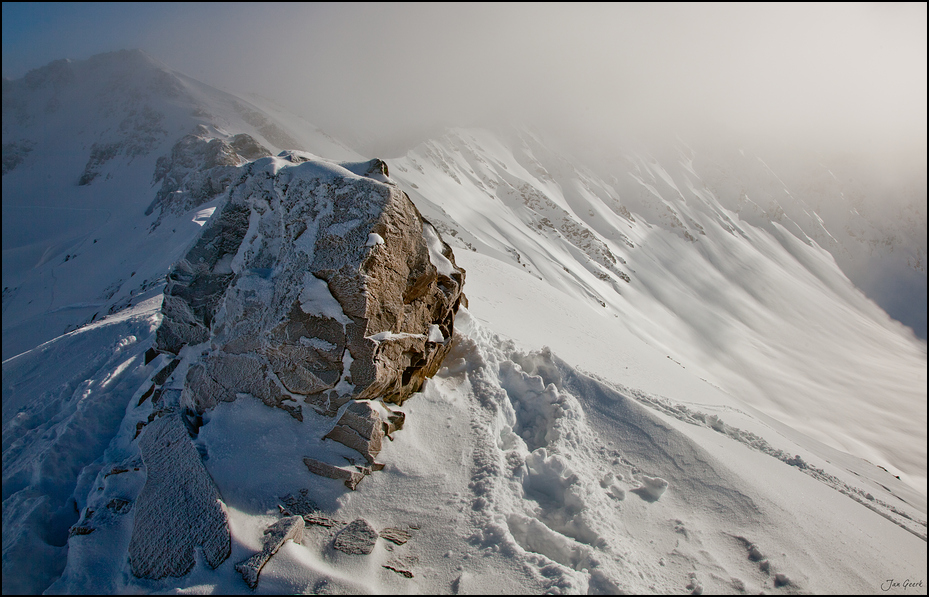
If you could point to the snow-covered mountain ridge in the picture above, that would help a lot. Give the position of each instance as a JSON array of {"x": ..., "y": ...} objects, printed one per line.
[
  {"x": 692, "y": 426},
  {"x": 759, "y": 309},
  {"x": 82, "y": 143}
]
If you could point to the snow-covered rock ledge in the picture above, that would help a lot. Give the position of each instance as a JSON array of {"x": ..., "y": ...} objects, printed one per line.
[{"x": 314, "y": 285}]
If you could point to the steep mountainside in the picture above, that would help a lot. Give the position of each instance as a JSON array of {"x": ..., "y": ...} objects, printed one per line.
[{"x": 741, "y": 294}]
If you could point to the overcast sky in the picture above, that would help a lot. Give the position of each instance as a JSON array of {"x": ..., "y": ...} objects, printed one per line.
[{"x": 830, "y": 75}]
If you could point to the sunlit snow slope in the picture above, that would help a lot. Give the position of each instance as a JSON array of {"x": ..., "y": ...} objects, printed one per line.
[{"x": 762, "y": 311}]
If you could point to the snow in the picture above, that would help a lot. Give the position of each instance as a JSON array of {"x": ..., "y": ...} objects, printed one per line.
[
  {"x": 442, "y": 264},
  {"x": 315, "y": 299},
  {"x": 435, "y": 334},
  {"x": 384, "y": 336},
  {"x": 203, "y": 216},
  {"x": 374, "y": 239},
  {"x": 735, "y": 417}
]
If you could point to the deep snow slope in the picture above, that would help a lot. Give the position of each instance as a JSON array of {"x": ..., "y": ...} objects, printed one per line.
[
  {"x": 654, "y": 391},
  {"x": 81, "y": 144},
  {"x": 763, "y": 311}
]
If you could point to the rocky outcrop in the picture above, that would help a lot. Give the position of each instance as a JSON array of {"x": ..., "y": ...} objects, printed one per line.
[
  {"x": 315, "y": 284},
  {"x": 200, "y": 167}
]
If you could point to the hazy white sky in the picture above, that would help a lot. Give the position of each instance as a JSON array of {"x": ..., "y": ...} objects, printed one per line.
[{"x": 832, "y": 75}]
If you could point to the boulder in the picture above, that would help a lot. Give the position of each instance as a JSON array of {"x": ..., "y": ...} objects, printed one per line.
[
  {"x": 315, "y": 284},
  {"x": 360, "y": 427}
]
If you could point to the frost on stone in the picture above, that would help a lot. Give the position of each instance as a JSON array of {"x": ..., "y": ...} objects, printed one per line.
[
  {"x": 358, "y": 538},
  {"x": 285, "y": 529},
  {"x": 298, "y": 504},
  {"x": 290, "y": 282},
  {"x": 179, "y": 507},
  {"x": 201, "y": 166},
  {"x": 195, "y": 287}
]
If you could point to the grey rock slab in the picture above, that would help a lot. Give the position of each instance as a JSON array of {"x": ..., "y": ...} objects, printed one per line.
[
  {"x": 178, "y": 508},
  {"x": 351, "y": 478},
  {"x": 394, "y": 535},
  {"x": 275, "y": 536},
  {"x": 358, "y": 538}
]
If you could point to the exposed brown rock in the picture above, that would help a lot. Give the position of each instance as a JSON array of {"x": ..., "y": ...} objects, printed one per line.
[
  {"x": 360, "y": 428},
  {"x": 397, "y": 536},
  {"x": 316, "y": 283}
]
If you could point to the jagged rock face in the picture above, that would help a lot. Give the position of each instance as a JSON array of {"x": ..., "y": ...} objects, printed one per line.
[
  {"x": 316, "y": 283},
  {"x": 361, "y": 428},
  {"x": 201, "y": 167}
]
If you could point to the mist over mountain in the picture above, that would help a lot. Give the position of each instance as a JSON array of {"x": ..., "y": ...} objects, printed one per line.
[
  {"x": 798, "y": 87},
  {"x": 549, "y": 349}
]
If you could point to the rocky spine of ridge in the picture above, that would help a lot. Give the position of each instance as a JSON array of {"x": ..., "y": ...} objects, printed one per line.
[{"x": 315, "y": 284}]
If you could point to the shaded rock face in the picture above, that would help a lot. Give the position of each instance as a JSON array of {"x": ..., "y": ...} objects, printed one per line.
[
  {"x": 200, "y": 167},
  {"x": 179, "y": 507},
  {"x": 316, "y": 283}
]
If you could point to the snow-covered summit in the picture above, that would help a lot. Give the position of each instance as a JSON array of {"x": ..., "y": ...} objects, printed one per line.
[{"x": 83, "y": 144}]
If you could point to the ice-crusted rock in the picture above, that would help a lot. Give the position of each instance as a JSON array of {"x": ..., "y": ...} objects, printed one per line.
[
  {"x": 361, "y": 428},
  {"x": 200, "y": 167},
  {"x": 358, "y": 538},
  {"x": 295, "y": 302},
  {"x": 179, "y": 507}
]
